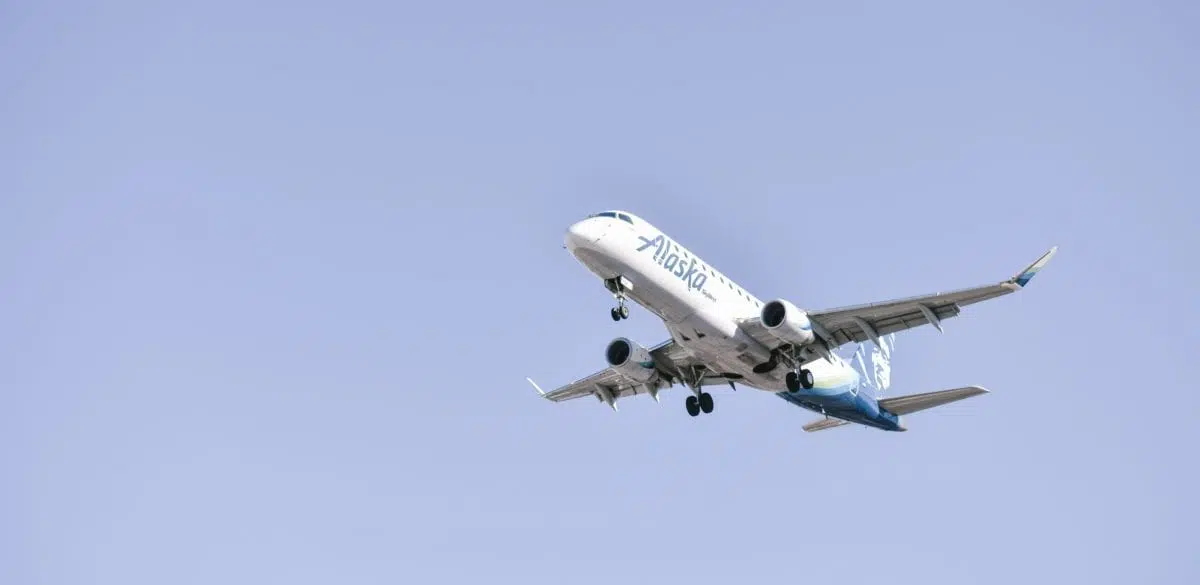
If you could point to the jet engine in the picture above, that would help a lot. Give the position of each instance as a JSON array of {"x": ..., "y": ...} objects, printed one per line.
[
  {"x": 630, "y": 360},
  {"x": 786, "y": 322}
]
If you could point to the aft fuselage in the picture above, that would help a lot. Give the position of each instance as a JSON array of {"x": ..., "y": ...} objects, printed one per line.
[{"x": 702, "y": 309}]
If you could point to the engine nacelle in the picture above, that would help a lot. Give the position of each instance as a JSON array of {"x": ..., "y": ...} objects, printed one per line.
[
  {"x": 786, "y": 322},
  {"x": 630, "y": 360}
]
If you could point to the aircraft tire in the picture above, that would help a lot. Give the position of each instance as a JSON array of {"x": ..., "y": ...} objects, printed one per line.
[
  {"x": 706, "y": 402},
  {"x": 793, "y": 382},
  {"x": 806, "y": 379},
  {"x": 693, "y": 406}
]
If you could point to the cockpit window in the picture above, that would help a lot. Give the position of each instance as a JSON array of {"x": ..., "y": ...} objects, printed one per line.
[{"x": 621, "y": 216}]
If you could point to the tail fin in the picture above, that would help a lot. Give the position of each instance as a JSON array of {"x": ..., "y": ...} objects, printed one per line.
[{"x": 874, "y": 363}]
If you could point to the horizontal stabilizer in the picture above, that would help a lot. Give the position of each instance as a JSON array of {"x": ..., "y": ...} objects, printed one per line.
[
  {"x": 825, "y": 423},
  {"x": 901, "y": 405}
]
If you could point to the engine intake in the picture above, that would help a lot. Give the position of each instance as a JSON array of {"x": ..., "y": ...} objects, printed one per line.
[
  {"x": 786, "y": 322},
  {"x": 630, "y": 360}
]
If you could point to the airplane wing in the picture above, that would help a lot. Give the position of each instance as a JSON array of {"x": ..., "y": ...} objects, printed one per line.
[
  {"x": 674, "y": 363},
  {"x": 861, "y": 323}
]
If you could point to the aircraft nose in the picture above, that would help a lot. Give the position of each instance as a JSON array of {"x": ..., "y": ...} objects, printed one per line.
[{"x": 583, "y": 233}]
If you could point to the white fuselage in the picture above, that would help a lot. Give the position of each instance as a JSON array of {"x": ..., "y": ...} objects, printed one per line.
[{"x": 699, "y": 305}]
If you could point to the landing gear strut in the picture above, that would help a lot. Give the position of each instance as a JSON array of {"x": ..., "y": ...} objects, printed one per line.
[
  {"x": 797, "y": 380},
  {"x": 617, "y": 286}
]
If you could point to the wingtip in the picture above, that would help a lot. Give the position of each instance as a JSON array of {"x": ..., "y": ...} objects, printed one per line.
[
  {"x": 536, "y": 387},
  {"x": 1027, "y": 275}
]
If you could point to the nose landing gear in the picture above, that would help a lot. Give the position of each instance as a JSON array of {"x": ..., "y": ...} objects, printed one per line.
[{"x": 618, "y": 287}]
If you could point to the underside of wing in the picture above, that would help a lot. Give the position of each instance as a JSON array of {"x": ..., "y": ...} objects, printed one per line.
[
  {"x": 589, "y": 386},
  {"x": 672, "y": 362},
  {"x": 869, "y": 322},
  {"x": 872, "y": 321}
]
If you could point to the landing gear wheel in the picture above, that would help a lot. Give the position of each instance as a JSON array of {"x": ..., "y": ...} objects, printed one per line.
[
  {"x": 806, "y": 379},
  {"x": 693, "y": 405},
  {"x": 706, "y": 402},
  {"x": 792, "y": 380},
  {"x": 623, "y": 311},
  {"x": 616, "y": 315},
  {"x": 795, "y": 381}
]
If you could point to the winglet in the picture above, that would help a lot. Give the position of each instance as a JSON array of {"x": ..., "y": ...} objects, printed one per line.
[
  {"x": 535, "y": 386},
  {"x": 1027, "y": 275}
]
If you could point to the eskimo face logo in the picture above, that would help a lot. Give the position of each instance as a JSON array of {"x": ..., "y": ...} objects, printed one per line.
[
  {"x": 666, "y": 254},
  {"x": 874, "y": 363}
]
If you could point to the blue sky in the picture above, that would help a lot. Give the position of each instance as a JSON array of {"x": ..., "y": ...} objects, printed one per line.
[{"x": 273, "y": 276}]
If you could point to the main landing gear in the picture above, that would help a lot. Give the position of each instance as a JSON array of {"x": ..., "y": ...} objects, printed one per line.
[
  {"x": 700, "y": 400},
  {"x": 618, "y": 286},
  {"x": 797, "y": 380},
  {"x": 703, "y": 402}
]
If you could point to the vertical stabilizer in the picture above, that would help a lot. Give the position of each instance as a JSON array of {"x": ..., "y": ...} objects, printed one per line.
[{"x": 874, "y": 363}]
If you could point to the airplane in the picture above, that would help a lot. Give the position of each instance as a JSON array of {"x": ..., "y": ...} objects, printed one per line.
[{"x": 722, "y": 334}]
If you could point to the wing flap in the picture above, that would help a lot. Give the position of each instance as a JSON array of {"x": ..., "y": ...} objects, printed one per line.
[{"x": 901, "y": 405}]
